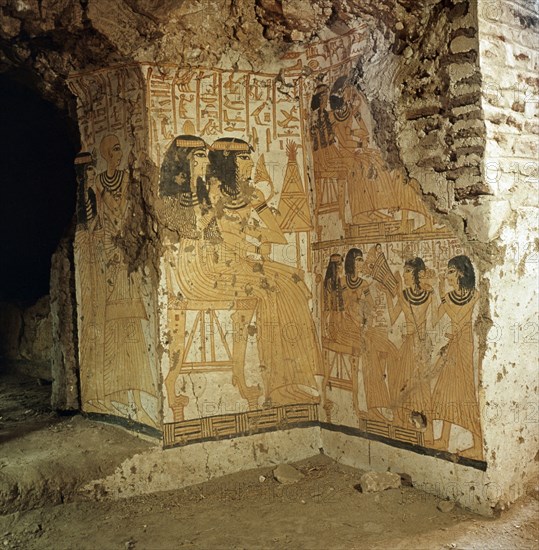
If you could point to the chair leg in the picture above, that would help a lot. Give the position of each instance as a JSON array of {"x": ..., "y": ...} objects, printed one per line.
[
  {"x": 241, "y": 319},
  {"x": 176, "y": 323},
  {"x": 354, "y": 374}
]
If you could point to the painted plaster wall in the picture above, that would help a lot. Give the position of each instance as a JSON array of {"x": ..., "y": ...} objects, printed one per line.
[
  {"x": 117, "y": 323},
  {"x": 221, "y": 360},
  {"x": 215, "y": 358},
  {"x": 233, "y": 285},
  {"x": 239, "y": 339},
  {"x": 222, "y": 364},
  {"x": 396, "y": 289},
  {"x": 242, "y": 346},
  {"x": 496, "y": 196}
]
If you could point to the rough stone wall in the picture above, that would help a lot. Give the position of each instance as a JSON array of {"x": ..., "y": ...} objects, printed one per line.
[
  {"x": 47, "y": 40},
  {"x": 466, "y": 120},
  {"x": 36, "y": 338},
  {"x": 442, "y": 136},
  {"x": 26, "y": 337},
  {"x": 10, "y": 331},
  {"x": 64, "y": 364},
  {"x": 50, "y": 39}
]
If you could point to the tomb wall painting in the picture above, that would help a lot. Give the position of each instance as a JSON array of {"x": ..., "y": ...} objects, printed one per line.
[
  {"x": 117, "y": 324},
  {"x": 301, "y": 279},
  {"x": 241, "y": 345},
  {"x": 395, "y": 291}
]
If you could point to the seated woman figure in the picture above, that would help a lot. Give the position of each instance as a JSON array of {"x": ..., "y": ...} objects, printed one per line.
[
  {"x": 229, "y": 266},
  {"x": 288, "y": 349},
  {"x": 185, "y": 209}
]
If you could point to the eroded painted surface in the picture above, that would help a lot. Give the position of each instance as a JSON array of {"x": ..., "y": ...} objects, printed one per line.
[
  {"x": 301, "y": 280},
  {"x": 396, "y": 292},
  {"x": 116, "y": 317}
]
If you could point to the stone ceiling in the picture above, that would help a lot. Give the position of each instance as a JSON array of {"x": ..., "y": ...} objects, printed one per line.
[{"x": 45, "y": 40}]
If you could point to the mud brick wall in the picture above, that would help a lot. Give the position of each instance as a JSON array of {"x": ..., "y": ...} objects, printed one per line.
[{"x": 443, "y": 134}]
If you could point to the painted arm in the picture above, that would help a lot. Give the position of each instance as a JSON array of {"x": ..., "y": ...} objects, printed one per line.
[
  {"x": 368, "y": 296},
  {"x": 442, "y": 309},
  {"x": 394, "y": 309}
]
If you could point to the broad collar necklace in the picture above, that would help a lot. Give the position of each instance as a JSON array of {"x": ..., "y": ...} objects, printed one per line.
[
  {"x": 461, "y": 297},
  {"x": 416, "y": 298},
  {"x": 353, "y": 282},
  {"x": 113, "y": 183},
  {"x": 233, "y": 198}
]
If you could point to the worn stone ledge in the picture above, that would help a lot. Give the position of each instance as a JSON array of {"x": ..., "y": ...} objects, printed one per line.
[
  {"x": 472, "y": 159},
  {"x": 423, "y": 112},
  {"x": 463, "y": 192},
  {"x": 463, "y": 123},
  {"x": 465, "y": 89},
  {"x": 462, "y": 30},
  {"x": 456, "y": 173},
  {"x": 470, "y": 56},
  {"x": 436, "y": 163},
  {"x": 460, "y": 100},
  {"x": 469, "y": 144},
  {"x": 458, "y": 12}
]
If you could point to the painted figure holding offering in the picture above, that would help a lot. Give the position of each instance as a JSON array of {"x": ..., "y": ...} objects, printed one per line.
[{"x": 454, "y": 397}]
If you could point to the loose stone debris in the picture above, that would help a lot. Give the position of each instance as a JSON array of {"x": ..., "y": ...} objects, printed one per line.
[
  {"x": 373, "y": 482},
  {"x": 286, "y": 474}
]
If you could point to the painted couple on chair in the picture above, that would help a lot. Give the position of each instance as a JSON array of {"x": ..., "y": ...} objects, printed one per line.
[{"x": 226, "y": 229}]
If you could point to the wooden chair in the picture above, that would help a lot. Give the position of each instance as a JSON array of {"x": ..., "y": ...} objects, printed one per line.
[
  {"x": 215, "y": 354},
  {"x": 341, "y": 371}
]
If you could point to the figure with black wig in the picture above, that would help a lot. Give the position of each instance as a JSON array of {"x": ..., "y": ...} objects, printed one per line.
[
  {"x": 332, "y": 318},
  {"x": 377, "y": 352},
  {"x": 347, "y": 300},
  {"x": 455, "y": 400},
  {"x": 409, "y": 381},
  {"x": 85, "y": 174},
  {"x": 321, "y": 129},
  {"x": 236, "y": 267},
  {"x": 185, "y": 205},
  {"x": 375, "y": 193},
  {"x": 350, "y": 130},
  {"x": 348, "y": 305},
  {"x": 287, "y": 343},
  {"x": 333, "y": 300},
  {"x": 237, "y": 197},
  {"x": 113, "y": 180},
  {"x": 184, "y": 208}
]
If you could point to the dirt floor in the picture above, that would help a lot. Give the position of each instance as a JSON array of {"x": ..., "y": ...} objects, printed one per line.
[{"x": 45, "y": 458}]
